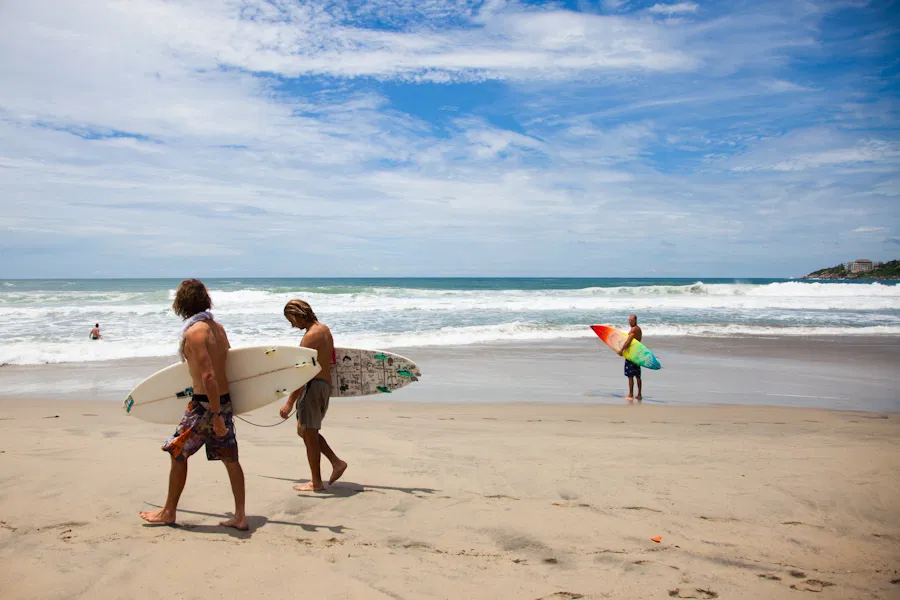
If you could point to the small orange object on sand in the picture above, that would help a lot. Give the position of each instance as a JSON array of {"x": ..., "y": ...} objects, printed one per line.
[{"x": 657, "y": 539}]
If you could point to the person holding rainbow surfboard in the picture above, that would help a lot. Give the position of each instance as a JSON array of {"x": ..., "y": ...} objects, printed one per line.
[
  {"x": 632, "y": 371},
  {"x": 629, "y": 347}
]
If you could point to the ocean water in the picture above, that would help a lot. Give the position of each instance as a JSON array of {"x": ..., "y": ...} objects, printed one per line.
[{"x": 49, "y": 321}]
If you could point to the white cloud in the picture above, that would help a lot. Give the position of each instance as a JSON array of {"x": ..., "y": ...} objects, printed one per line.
[
  {"x": 673, "y": 9},
  {"x": 197, "y": 126},
  {"x": 869, "y": 229}
]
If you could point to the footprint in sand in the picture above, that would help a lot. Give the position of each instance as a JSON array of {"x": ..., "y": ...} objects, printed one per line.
[
  {"x": 696, "y": 593},
  {"x": 811, "y": 585},
  {"x": 769, "y": 576},
  {"x": 562, "y": 596}
]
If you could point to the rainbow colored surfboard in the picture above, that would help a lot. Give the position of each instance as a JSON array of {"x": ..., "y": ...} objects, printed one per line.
[{"x": 636, "y": 352}]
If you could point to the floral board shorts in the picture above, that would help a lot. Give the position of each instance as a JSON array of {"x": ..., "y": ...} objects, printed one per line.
[
  {"x": 632, "y": 370},
  {"x": 196, "y": 430}
]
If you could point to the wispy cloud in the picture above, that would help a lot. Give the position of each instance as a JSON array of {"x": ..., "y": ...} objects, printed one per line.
[
  {"x": 780, "y": 85},
  {"x": 673, "y": 9},
  {"x": 869, "y": 229}
]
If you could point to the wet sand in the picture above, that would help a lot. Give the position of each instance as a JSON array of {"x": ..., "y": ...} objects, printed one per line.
[{"x": 849, "y": 373}]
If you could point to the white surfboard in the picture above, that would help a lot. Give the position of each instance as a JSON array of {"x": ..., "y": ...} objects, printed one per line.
[
  {"x": 358, "y": 372},
  {"x": 256, "y": 376}
]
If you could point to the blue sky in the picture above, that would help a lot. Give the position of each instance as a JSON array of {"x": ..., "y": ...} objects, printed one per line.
[{"x": 150, "y": 138}]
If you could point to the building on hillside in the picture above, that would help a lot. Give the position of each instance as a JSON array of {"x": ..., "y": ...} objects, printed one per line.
[{"x": 861, "y": 265}]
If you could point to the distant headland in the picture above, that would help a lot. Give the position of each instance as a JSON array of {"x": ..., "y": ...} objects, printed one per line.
[{"x": 859, "y": 269}]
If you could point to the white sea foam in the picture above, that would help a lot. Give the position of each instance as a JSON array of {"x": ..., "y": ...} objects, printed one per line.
[{"x": 52, "y": 326}]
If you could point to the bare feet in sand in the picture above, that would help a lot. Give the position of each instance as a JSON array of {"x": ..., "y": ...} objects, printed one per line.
[
  {"x": 638, "y": 397},
  {"x": 337, "y": 472},
  {"x": 235, "y": 522},
  {"x": 309, "y": 487},
  {"x": 160, "y": 516}
]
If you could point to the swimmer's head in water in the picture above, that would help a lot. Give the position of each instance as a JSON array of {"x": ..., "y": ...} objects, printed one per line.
[{"x": 191, "y": 298}]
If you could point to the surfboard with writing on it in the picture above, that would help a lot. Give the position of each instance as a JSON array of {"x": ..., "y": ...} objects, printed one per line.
[{"x": 361, "y": 372}]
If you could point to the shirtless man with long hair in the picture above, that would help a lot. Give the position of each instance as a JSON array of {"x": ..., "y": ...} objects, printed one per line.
[
  {"x": 208, "y": 420},
  {"x": 314, "y": 396}
]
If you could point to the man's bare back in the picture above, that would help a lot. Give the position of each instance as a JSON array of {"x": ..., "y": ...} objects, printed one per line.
[
  {"x": 318, "y": 337},
  {"x": 213, "y": 336}
]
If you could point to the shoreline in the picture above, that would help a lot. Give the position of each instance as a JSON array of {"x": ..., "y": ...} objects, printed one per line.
[{"x": 825, "y": 372}]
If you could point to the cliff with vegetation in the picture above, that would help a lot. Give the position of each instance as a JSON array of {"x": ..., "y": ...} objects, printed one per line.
[{"x": 889, "y": 270}]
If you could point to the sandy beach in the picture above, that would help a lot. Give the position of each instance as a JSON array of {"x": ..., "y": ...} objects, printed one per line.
[{"x": 463, "y": 501}]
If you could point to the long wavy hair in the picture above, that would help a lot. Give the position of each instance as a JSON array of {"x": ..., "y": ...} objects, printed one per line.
[{"x": 191, "y": 298}]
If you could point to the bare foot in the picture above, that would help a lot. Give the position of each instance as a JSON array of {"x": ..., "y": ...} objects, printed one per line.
[
  {"x": 160, "y": 516},
  {"x": 309, "y": 487},
  {"x": 337, "y": 472},
  {"x": 239, "y": 524},
  {"x": 639, "y": 397}
]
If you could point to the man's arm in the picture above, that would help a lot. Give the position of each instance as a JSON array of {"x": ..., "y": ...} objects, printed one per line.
[
  {"x": 310, "y": 340},
  {"x": 197, "y": 352},
  {"x": 627, "y": 342}
]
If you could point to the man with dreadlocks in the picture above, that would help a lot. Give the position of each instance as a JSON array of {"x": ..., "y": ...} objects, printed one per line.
[
  {"x": 208, "y": 420},
  {"x": 313, "y": 396}
]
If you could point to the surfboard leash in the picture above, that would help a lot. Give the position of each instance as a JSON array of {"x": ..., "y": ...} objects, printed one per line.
[{"x": 293, "y": 411}]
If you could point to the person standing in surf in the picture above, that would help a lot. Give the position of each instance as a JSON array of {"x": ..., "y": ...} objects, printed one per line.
[
  {"x": 208, "y": 420},
  {"x": 95, "y": 332},
  {"x": 313, "y": 396},
  {"x": 632, "y": 371}
]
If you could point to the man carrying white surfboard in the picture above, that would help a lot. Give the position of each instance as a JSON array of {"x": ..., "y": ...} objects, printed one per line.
[
  {"x": 314, "y": 396},
  {"x": 632, "y": 371},
  {"x": 208, "y": 420}
]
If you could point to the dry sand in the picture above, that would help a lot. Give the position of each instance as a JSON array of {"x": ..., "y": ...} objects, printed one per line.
[{"x": 462, "y": 501}]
